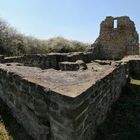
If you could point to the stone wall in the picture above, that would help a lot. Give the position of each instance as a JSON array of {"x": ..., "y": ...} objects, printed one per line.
[
  {"x": 96, "y": 102},
  {"x": 50, "y": 60},
  {"x": 115, "y": 43},
  {"x": 47, "y": 115},
  {"x": 42, "y": 112},
  {"x": 27, "y": 104}
]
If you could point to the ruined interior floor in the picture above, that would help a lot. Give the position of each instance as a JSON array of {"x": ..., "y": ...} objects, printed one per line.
[{"x": 69, "y": 83}]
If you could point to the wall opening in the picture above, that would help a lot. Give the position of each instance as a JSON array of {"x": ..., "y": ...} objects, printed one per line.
[{"x": 115, "y": 23}]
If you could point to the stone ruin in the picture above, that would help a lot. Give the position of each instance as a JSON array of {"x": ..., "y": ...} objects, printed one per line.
[
  {"x": 118, "y": 38},
  {"x": 66, "y": 96}
]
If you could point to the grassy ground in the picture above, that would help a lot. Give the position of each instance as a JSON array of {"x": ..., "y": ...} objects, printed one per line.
[
  {"x": 123, "y": 122},
  {"x": 9, "y": 128}
]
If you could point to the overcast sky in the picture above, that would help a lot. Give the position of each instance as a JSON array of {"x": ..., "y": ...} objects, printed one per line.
[{"x": 72, "y": 19}]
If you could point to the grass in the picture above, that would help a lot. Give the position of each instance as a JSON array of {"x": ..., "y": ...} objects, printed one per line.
[
  {"x": 134, "y": 81},
  {"x": 123, "y": 121}
]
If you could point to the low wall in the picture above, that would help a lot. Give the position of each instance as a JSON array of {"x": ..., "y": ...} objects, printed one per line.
[
  {"x": 96, "y": 102},
  {"x": 26, "y": 103},
  {"x": 47, "y": 115},
  {"x": 40, "y": 110},
  {"x": 51, "y": 60}
]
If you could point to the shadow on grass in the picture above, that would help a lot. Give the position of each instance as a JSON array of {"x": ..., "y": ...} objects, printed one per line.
[
  {"x": 123, "y": 121},
  {"x": 136, "y": 76},
  {"x": 14, "y": 130}
]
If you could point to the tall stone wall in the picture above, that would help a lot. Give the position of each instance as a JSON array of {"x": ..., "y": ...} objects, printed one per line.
[{"x": 116, "y": 42}]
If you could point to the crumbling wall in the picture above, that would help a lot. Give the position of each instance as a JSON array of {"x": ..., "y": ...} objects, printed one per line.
[
  {"x": 42, "y": 112},
  {"x": 27, "y": 103},
  {"x": 97, "y": 101},
  {"x": 47, "y": 115},
  {"x": 50, "y": 60},
  {"x": 115, "y": 43}
]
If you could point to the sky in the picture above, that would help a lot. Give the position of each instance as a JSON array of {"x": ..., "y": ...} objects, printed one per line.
[{"x": 73, "y": 19}]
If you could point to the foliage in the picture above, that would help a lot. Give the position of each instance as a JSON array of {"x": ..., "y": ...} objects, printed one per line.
[{"x": 15, "y": 43}]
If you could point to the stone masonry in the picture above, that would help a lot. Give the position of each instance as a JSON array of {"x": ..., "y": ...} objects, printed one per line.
[
  {"x": 115, "y": 42},
  {"x": 63, "y": 105},
  {"x": 62, "y": 96}
]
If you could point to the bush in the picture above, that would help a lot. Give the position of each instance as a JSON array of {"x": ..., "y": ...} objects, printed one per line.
[{"x": 14, "y": 43}]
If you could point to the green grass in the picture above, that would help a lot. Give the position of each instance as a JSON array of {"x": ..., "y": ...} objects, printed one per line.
[
  {"x": 123, "y": 121},
  {"x": 136, "y": 82}
]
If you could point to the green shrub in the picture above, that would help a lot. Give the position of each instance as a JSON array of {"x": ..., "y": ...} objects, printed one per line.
[{"x": 14, "y": 43}]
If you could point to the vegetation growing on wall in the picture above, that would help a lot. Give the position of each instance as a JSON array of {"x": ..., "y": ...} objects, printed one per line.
[{"x": 14, "y": 43}]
